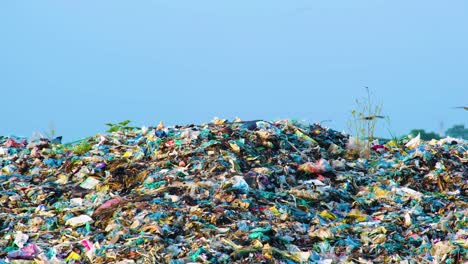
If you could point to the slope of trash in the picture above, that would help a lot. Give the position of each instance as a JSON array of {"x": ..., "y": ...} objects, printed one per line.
[{"x": 232, "y": 192}]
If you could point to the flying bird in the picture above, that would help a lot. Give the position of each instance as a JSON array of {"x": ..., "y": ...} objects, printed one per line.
[
  {"x": 372, "y": 117},
  {"x": 462, "y": 107}
]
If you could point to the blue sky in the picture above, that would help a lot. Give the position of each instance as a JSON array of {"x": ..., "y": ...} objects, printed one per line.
[{"x": 80, "y": 64}]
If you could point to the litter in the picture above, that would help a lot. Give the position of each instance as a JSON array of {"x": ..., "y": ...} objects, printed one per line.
[{"x": 232, "y": 192}]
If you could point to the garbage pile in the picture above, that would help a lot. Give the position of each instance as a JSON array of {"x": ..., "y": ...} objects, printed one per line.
[{"x": 232, "y": 192}]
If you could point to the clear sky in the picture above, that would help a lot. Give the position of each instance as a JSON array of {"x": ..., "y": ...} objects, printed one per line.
[{"x": 81, "y": 64}]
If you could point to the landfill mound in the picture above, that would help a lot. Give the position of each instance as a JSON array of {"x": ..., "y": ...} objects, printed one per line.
[{"x": 232, "y": 192}]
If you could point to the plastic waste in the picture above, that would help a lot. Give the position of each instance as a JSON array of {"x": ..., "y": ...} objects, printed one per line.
[
  {"x": 79, "y": 220},
  {"x": 414, "y": 142},
  {"x": 232, "y": 192},
  {"x": 28, "y": 251}
]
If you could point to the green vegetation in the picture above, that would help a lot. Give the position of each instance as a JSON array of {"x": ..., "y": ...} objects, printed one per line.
[
  {"x": 51, "y": 133},
  {"x": 121, "y": 126},
  {"x": 458, "y": 131},
  {"x": 82, "y": 148},
  {"x": 424, "y": 135}
]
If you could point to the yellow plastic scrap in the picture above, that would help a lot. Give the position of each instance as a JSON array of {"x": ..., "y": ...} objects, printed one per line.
[
  {"x": 328, "y": 215},
  {"x": 151, "y": 137},
  {"x": 378, "y": 235},
  {"x": 154, "y": 228},
  {"x": 379, "y": 239},
  {"x": 127, "y": 154},
  {"x": 102, "y": 188},
  {"x": 213, "y": 219},
  {"x": 378, "y": 230},
  {"x": 391, "y": 144},
  {"x": 274, "y": 211},
  {"x": 257, "y": 244},
  {"x": 135, "y": 224},
  {"x": 267, "y": 252},
  {"x": 235, "y": 147},
  {"x": 73, "y": 256},
  {"x": 62, "y": 179},
  {"x": 381, "y": 193},
  {"x": 7, "y": 170},
  {"x": 357, "y": 215},
  {"x": 167, "y": 220},
  {"x": 240, "y": 204},
  {"x": 218, "y": 121}
]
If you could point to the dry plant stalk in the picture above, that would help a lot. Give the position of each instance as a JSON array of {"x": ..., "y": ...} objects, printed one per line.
[{"x": 362, "y": 125}]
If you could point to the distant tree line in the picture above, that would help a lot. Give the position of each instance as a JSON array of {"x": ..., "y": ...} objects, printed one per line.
[{"x": 457, "y": 131}]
